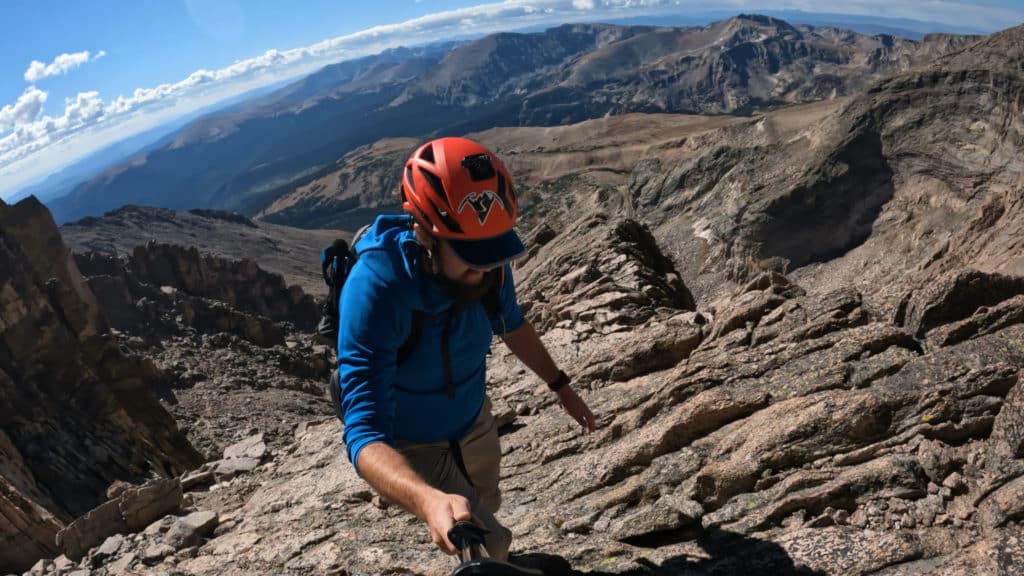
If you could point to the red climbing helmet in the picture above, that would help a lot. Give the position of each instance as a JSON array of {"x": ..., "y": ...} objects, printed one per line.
[{"x": 460, "y": 191}]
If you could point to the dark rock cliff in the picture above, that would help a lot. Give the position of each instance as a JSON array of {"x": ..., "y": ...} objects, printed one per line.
[{"x": 76, "y": 413}]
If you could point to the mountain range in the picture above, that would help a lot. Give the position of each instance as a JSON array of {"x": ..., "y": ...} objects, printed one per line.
[{"x": 246, "y": 160}]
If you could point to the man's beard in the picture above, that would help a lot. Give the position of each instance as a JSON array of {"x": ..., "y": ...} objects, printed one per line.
[{"x": 465, "y": 294}]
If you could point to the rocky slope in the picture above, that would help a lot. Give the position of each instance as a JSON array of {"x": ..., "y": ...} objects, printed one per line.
[
  {"x": 365, "y": 181},
  {"x": 245, "y": 160},
  {"x": 785, "y": 434},
  {"x": 77, "y": 412},
  {"x": 350, "y": 193},
  {"x": 917, "y": 176},
  {"x": 286, "y": 251},
  {"x": 224, "y": 332}
]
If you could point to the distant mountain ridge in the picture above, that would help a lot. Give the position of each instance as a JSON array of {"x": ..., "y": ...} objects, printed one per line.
[
  {"x": 60, "y": 182},
  {"x": 563, "y": 75}
]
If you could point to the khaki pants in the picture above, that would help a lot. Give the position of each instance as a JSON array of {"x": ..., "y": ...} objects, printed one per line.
[{"x": 481, "y": 453}]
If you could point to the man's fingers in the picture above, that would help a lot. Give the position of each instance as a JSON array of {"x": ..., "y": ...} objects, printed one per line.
[
  {"x": 583, "y": 416},
  {"x": 587, "y": 423},
  {"x": 460, "y": 509},
  {"x": 441, "y": 541},
  {"x": 440, "y": 538},
  {"x": 445, "y": 511}
]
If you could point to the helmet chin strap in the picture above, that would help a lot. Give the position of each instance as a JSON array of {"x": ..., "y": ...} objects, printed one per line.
[
  {"x": 432, "y": 252},
  {"x": 435, "y": 259},
  {"x": 437, "y": 268}
]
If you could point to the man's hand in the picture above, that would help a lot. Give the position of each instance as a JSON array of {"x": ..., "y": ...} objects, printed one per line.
[
  {"x": 527, "y": 346},
  {"x": 576, "y": 408},
  {"x": 441, "y": 511},
  {"x": 390, "y": 475}
]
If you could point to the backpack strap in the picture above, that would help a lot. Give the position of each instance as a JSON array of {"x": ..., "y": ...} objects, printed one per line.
[
  {"x": 328, "y": 259},
  {"x": 491, "y": 301},
  {"x": 446, "y": 357},
  {"x": 359, "y": 236},
  {"x": 492, "y": 298},
  {"x": 405, "y": 350},
  {"x": 336, "y": 261},
  {"x": 334, "y": 269}
]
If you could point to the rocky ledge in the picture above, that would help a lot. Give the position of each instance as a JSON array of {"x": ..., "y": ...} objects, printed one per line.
[{"x": 771, "y": 431}]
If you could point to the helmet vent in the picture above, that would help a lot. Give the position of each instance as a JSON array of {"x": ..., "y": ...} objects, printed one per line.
[
  {"x": 428, "y": 154},
  {"x": 436, "y": 184},
  {"x": 409, "y": 179},
  {"x": 449, "y": 222},
  {"x": 503, "y": 194},
  {"x": 479, "y": 167}
]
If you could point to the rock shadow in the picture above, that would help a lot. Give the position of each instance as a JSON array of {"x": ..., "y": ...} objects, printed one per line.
[
  {"x": 835, "y": 210},
  {"x": 729, "y": 553}
]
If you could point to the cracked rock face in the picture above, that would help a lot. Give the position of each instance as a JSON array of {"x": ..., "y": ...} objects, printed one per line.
[
  {"x": 917, "y": 176},
  {"x": 780, "y": 432},
  {"x": 77, "y": 413}
]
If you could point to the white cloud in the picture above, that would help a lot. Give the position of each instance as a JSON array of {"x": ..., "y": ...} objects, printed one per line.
[
  {"x": 61, "y": 65},
  {"x": 25, "y": 111},
  {"x": 29, "y": 136},
  {"x": 37, "y": 145},
  {"x": 85, "y": 108}
]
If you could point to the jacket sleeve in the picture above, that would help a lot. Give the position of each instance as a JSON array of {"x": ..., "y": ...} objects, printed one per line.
[
  {"x": 374, "y": 319},
  {"x": 510, "y": 317}
]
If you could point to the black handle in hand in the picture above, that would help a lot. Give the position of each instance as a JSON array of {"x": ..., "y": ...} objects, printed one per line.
[
  {"x": 465, "y": 534},
  {"x": 469, "y": 538}
]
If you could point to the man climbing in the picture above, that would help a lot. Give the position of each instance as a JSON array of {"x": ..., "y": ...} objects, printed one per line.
[{"x": 417, "y": 316}]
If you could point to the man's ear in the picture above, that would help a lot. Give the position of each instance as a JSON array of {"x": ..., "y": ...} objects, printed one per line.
[{"x": 421, "y": 235}]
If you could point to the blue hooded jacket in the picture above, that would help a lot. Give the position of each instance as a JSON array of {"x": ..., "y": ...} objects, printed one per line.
[{"x": 383, "y": 401}]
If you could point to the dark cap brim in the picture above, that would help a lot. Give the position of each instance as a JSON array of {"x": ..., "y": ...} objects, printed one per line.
[{"x": 490, "y": 253}]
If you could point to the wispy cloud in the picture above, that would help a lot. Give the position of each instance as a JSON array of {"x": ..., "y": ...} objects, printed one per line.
[
  {"x": 61, "y": 65},
  {"x": 37, "y": 144}
]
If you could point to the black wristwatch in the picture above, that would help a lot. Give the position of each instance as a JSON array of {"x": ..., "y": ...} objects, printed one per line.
[{"x": 561, "y": 382}]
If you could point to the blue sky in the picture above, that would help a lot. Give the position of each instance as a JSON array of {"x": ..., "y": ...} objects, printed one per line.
[{"x": 78, "y": 76}]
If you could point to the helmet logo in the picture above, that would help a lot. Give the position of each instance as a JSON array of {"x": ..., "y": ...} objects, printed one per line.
[{"x": 482, "y": 202}]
